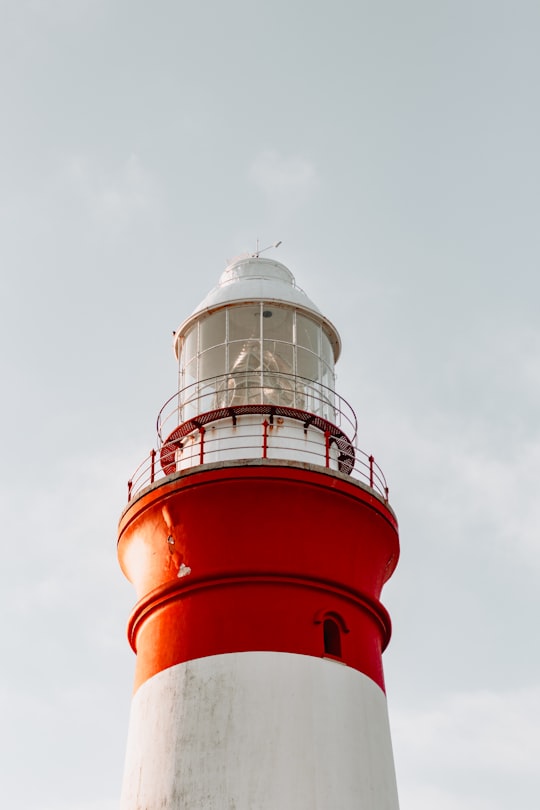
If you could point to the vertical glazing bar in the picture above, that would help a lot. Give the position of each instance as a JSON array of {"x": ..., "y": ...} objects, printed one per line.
[
  {"x": 198, "y": 366},
  {"x": 327, "y": 446},
  {"x": 181, "y": 376},
  {"x": 265, "y": 439},
  {"x": 227, "y": 368},
  {"x": 295, "y": 361},
  {"x": 180, "y": 347},
  {"x": 201, "y": 445},
  {"x": 261, "y": 355}
]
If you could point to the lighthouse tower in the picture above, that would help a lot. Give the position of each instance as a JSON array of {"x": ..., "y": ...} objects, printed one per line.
[{"x": 258, "y": 537}]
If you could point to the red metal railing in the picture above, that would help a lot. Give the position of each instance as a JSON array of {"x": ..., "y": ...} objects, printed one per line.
[{"x": 327, "y": 454}]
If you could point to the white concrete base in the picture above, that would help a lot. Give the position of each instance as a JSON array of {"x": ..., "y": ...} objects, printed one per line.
[{"x": 259, "y": 731}]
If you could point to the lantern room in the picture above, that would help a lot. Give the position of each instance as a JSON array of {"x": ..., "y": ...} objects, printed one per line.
[
  {"x": 256, "y": 377},
  {"x": 256, "y": 338}
]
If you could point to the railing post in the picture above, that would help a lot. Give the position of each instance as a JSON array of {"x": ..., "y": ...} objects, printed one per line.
[
  {"x": 152, "y": 466},
  {"x": 327, "y": 446},
  {"x": 265, "y": 439},
  {"x": 201, "y": 445},
  {"x": 130, "y": 487},
  {"x": 371, "y": 460}
]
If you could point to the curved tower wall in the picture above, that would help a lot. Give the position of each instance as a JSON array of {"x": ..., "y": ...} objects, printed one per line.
[{"x": 259, "y": 629}]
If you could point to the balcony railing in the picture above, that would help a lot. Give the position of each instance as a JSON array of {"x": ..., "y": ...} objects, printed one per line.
[
  {"x": 256, "y": 388},
  {"x": 309, "y": 437}
]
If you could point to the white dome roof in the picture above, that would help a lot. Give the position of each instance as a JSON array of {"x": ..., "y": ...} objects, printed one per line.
[
  {"x": 250, "y": 278},
  {"x": 256, "y": 279}
]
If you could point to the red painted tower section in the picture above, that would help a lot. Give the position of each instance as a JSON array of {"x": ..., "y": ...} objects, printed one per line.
[
  {"x": 261, "y": 578},
  {"x": 258, "y": 574}
]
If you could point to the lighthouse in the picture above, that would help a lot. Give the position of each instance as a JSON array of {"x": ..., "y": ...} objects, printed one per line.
[{"x": 258, "y": 536}]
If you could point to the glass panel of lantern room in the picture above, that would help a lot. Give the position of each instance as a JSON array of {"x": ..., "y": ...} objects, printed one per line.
[
  {"x": 307, "y": 365},
  {"x": 308, "y": 371},
  {"x": 327, "y": 377},
  {"x": 211, "y": 377},
  {"x": 244, "y": 384},
  {"x": 327, "y": 353},
  {"x": 212, "y": 362},
  {"x": 188, "y": 352},
  {"x": 327, "y": 393},
  {"x": 307, "y": 333},
  {"x": 189, "y": 346},
  {"x": 244, "y": 322},
  {"x": 189, "y": 394},
  {"x": 278, "y": 367},
  {"x": 278, "y": 355},
  {"x": 212, "y": 331},
  {"x": 244, "y": 380},
  {"x": 277, "y": 323}
]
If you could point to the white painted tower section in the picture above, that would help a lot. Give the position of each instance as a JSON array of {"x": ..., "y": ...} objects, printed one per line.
[{"x": 259, "y": 731}]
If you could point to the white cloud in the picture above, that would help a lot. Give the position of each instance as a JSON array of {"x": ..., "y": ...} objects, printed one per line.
[
  {"x": 69, "y": 538},
  {"x": 114, "y": 197},
  {"x": 481, "y": 479},
  {"x": 504, "y": 490},
  {"x": 55, "y": 12},
  {"x": 285, "y": 180},
  {"x": 28, "y": 25},
  {"x": 466, "y": 748},
  {"x": 97, "y": 804},
  {"x": 430, "y": 797},
  {"x": 474, "y": 731}
]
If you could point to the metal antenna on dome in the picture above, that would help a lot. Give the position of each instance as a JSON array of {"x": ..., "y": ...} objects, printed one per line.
[{"x": 258, "y": 252}]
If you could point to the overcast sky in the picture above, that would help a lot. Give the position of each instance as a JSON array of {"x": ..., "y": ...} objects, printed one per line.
[{"x": 393, "y": 147}]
